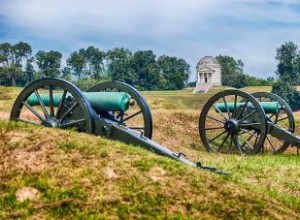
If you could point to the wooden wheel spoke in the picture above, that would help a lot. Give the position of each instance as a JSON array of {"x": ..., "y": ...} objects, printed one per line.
[
  {"x": 61, "y": 104},
  {"x": 281, "y": 119},
  {"x": 242, "y": 111},
  {"x": 247, "y": 142},
  {"x": 213, "y": 128},
  {"x": 218, "y": 110},
  {"x": 272, "y": 146},
  {"x": 248, "y": 132},
  {"x": 247, "y": 116},
  {"x": 223, "y": 142},
  {"x": 34, "y": 112},
  {"x": 26, "y": 121},
  {"x": 226, "y": 106},
  {"x": 51, "y": 101},
  {"x": 237, "y": 144},
  {"x": 273, "y": 114},
  {"x": 215, "y": 119},
  {"x": 69, "y": 110},
  {"x": 133, "y": 115},
  {"x": 219, "y": 135},
  {"x": 72, "y": 123},
  {"x": 42, "y": 104},
  {"x": 234, "y": 107}
]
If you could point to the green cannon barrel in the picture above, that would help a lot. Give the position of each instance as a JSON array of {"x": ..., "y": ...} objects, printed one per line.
[
  {"x": 269, "y": 107},
  {"x": 100, "y": 101}
]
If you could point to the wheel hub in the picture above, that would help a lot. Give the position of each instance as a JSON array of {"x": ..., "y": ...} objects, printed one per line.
[
  {"x": 51, "y": 122},
  {"x": 231, "y": 126}
]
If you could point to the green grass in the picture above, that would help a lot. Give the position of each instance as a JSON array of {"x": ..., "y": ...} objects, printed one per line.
[
  {"x": 83, "y": 176},
  {"x": 80, "y": 176}
]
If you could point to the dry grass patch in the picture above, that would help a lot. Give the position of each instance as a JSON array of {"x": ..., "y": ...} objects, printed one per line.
[{"x": 83, "y": 176}]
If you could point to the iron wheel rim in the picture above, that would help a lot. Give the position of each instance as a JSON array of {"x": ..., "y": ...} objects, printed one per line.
[
  {"x": 246, "y": 137},
  {"x": 49, "y": 116}
]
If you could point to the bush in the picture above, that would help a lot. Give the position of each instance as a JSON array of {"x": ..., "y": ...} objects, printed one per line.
[{"x": 288, "y": 92}]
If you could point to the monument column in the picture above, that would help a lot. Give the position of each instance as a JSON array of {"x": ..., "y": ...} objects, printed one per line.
[{"x": 201, "y": 77}]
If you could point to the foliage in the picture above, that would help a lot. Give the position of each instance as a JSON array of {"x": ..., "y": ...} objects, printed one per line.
[
  {"x": 76, "y": 62},
  {"x": 233, "y": 75},
  {"x": 11, "y": 58},
  {"x": 87, "y": 62},
  {"x": 30, "y": 74},
  {"x": 119, "y": 61},
  {"x": 142, "y": 69},
  {"x": 232, "y": 71},
  {"x": 288, "y": 92},
  {"x": 192, "y": 84},
  {"x": 254, "y": 81},
  {"x": 288, "y": 68},
  {"x": 94, "y": 59},
  {"x": 174, "y": 72},
  {"x": 49, "y": 63}
]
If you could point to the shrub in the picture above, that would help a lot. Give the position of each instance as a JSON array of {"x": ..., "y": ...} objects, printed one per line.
[{"x": 288, "y": 92}]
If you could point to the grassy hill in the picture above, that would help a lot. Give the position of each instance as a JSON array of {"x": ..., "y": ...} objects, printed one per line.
[{"x": 76, "y": 175}]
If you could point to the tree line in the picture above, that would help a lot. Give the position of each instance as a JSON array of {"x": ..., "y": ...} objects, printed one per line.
[
  {"x": 142, "y": 69},
  {"x": 233, "y": 74}
]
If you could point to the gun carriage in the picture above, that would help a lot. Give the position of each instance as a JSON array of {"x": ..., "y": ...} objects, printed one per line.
[
  {"x": 233, "y": 120},
  {"x": 113, "y": 110}
]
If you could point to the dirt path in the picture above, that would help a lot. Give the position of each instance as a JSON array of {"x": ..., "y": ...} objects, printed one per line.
[{"x": 4, "y": 115}]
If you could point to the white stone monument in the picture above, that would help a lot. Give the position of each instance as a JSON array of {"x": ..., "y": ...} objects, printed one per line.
[{"x": 208, "y": 73}]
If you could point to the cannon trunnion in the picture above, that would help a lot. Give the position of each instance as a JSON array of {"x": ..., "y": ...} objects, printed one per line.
[
  {"x": 233, "y": 120},
  {"x": 111, "y": 109}
]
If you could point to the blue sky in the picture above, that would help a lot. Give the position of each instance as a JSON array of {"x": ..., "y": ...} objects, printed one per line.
[{"x": 249, "y": 30}]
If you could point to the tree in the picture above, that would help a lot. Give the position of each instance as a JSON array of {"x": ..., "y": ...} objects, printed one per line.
[
  {"x": 21, "y": 50},
  {"x": 232, "y": 71},
  {"x": 144, "y": 66},
  {"x": 95, "y": 62},
  {"x": 49, "y": 63},
  {"x": 30, "y": 73},
  {"x": 120, "y": 65},
  {"x": 11, "y": 58},
  {"x": 288, "y": 68},
  {"x": 174, "y": 72},
  {"x": 76, "y": 62},
  {"x": 66, "y": 73}
]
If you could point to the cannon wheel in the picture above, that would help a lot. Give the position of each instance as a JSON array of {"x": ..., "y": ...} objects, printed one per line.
[
  {"x": 284, "y": 119},
  {"x": 140, "y": 119},
  {"x": 242, "y": 129},
  {"x": 73, "y": 110}
]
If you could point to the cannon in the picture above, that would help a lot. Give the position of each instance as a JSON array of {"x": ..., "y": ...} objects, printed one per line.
[
  {"x": 113, "y": 110},
  {"x": 235, "y": 121}
]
